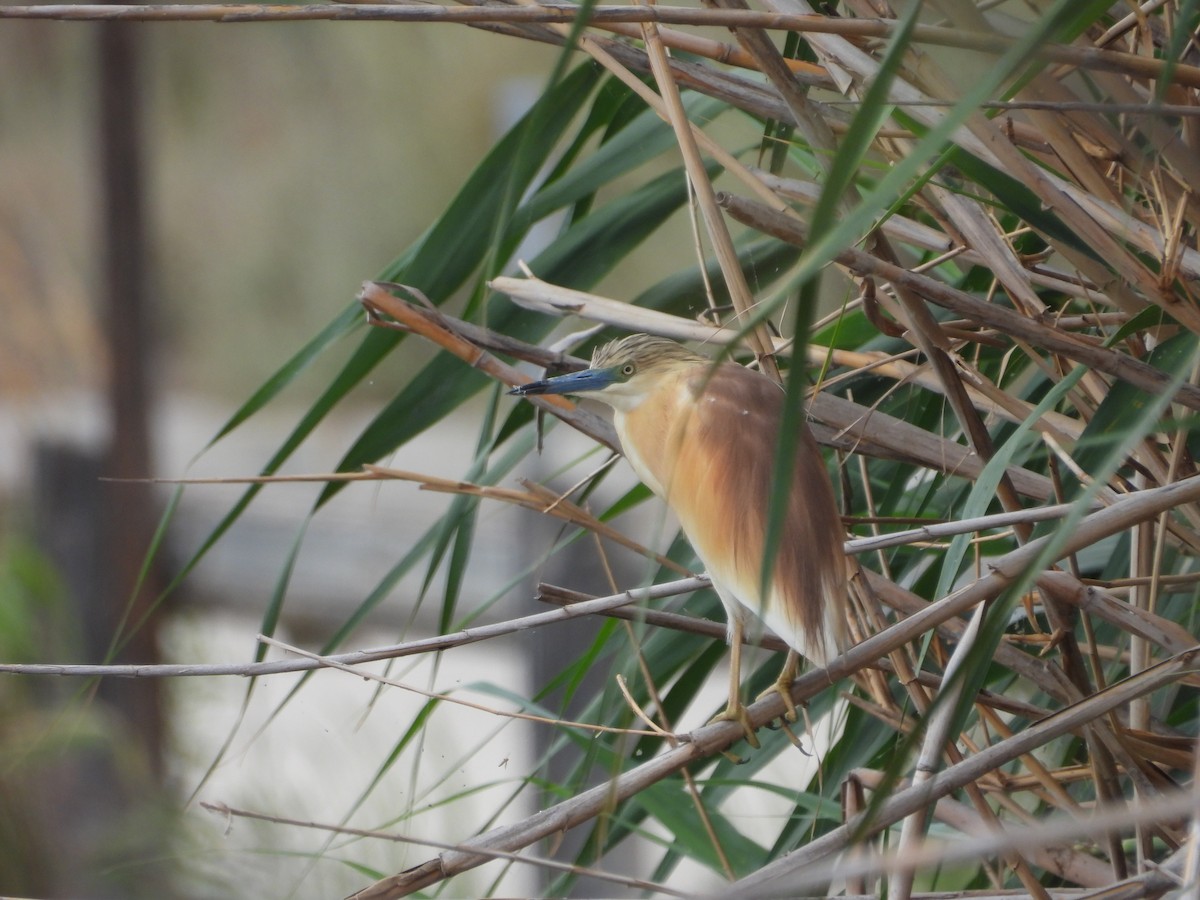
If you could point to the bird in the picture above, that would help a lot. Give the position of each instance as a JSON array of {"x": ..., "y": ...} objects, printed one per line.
[{"x": 703, "y": 437}]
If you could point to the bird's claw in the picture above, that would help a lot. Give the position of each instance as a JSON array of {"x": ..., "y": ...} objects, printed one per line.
[
  {"x": 783, "y": 687},
  {"x": 736, "y": 712}
]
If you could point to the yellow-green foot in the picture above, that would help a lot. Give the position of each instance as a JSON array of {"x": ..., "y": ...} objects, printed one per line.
[
  {"x": 736, "y": 712},
  {"x": 783, "y": 685}
]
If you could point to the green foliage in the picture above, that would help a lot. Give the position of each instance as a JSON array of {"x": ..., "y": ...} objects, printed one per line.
[{"x": 33, "y": 617}]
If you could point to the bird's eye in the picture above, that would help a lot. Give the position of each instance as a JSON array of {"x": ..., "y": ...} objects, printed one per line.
[{"x": 627, "y": 369}]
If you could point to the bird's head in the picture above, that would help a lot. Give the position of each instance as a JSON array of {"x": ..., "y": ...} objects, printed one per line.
[{"x": 622, "y": 372}]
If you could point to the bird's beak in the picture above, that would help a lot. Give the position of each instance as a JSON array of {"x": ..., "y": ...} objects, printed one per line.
[{"x": 574, "y": 383}]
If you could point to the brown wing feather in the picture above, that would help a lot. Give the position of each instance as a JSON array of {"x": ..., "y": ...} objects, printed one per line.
[
  {"x": 727, "y": 456},
  {"x": 715, "y": 467}
]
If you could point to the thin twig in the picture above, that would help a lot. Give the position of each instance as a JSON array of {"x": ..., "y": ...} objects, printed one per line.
[
  {"x": 328, "y": 662},
  {"x": 223, "y": 809},
  {"x": 470, "y": 635},
  {"x": 566, "y": 14}
]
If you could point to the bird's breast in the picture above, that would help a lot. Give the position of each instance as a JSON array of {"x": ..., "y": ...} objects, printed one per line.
[{"x": 651, "y": 434}]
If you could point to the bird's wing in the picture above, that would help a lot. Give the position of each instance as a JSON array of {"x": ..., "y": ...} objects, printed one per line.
[{"x": 723, "y": 489}]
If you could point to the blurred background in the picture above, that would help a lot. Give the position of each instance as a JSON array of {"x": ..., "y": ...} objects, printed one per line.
[{"x": 182, "y": 206}]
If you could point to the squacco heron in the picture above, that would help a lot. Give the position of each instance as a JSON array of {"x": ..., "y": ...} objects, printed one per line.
[{"x": 703, "y": 437}]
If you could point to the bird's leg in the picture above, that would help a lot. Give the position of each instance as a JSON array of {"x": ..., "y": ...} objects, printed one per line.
[
  {"x": 783, "y": 684},
  {"x": 735, "y": 710}
]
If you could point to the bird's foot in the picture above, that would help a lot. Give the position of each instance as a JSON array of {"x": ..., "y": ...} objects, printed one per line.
[
  {"x": 783, "y": 687},
  {"x": 784, "y": 722},
  {"x": 784, "y": 690},
  {"x": 736, "y": 712}
]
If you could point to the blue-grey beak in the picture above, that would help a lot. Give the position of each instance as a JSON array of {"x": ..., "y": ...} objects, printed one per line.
[{"x": 574, "y": 383}]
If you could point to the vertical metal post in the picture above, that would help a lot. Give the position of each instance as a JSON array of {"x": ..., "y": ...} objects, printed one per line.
[{"x": 128, "y": 507}]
